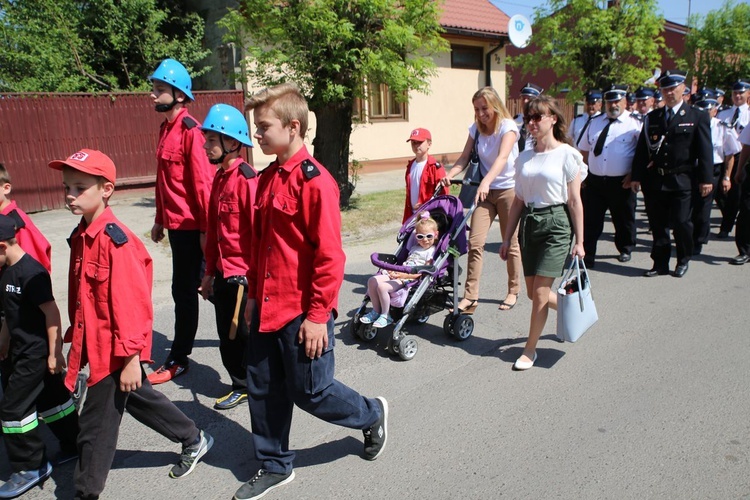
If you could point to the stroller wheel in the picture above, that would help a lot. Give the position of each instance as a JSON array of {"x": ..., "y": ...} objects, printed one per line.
[
  {"x": 422, "y": 319},
  {"x": 463, "y": 327},
  {"x": 367, "y": 332},
  {"x": 448, "y": 324},
  {"x": 407, "y": 348}
]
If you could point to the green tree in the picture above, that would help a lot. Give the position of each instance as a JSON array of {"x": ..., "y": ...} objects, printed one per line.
[
  {"x": 332, "y": 48},
  {"x": 76, "y": 45},
  {"x": 590, "y": 46},
  {"x": 717, "y": 45}
]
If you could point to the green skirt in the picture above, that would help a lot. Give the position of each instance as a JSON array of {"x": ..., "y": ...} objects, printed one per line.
[{"x": 545, "y": 237}]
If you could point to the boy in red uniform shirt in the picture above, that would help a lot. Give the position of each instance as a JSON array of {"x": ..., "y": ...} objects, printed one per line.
[
  {"x": 183, "y": 184},
  {"x": 31, "y": 350},
  {"x": 293, "y": 286},
  {"x": 423, "y": 173},
  {"x": 28, "y": 235},
  {"x": 229, "y": 241},
  {"x": 111, "y": 317}
]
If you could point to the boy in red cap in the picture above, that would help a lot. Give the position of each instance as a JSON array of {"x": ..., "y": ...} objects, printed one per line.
[
  {"x": 109, "y": 303},
  {"x": 31, "y": 350},
  {"x": 28, "y": 235},
  {"x": 423, "y": 173}
]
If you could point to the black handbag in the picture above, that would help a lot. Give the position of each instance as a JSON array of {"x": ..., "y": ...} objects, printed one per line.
[{"x": 472, "y": 177}]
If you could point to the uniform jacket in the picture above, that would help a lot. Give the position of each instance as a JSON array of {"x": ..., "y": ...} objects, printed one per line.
[
  {"x": 431, "y": 175},
  {"x": 109, "y": 298},
  {"x": 297, "y": 265},
  {"x": 685, "y": 154},
  {"x": 29, "y": 237},
  {"x": 183, "y": 175},
  {"x": 230, "y": 220}
]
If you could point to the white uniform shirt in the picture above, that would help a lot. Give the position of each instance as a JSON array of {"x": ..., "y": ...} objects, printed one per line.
[
  {"x": 745, "y": 137},
  {"x": 742, "y": 120},
  {"x": 488, "y": 148},
  {"x": 542, "y": 178},
  {"x": 577, "y": 126},
  {"x": 617, "y": 155},
  {"x": 724, "y": 140}
]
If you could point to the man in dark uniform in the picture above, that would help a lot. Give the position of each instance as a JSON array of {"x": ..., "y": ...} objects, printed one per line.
[
  {"x": 644, "y": 102},
  {"x": 674, "y": 151},
  {"x": 528, "y": 92}
]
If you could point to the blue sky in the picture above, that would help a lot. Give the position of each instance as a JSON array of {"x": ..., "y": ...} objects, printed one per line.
[{"x": 673, "y": 10}]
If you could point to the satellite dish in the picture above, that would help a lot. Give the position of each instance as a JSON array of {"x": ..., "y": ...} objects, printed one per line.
[
  {"x": 519, "y": 31},
  {"x": 652, "y": 80}
]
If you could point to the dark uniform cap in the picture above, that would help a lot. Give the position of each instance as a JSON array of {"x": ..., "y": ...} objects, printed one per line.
[
  {"x": 671, "y": 78},
  {"x": 532, "y": 90},
  {"x": 705, "y": 93},
  {"x": 686, "y": 91},
  {"x": 643, "y": 93},
  {"x": 593, "y": 95},
  {"x": 740, "y": 86},
  {"x": 706, "y": 104},
  {"x": 718, "y": 92},
  {"x": 630, "y": 97},
  {"x": 7, "y": 228},
  {"x": 615, "y": 92},
  {"x": 657, "y": 96}
]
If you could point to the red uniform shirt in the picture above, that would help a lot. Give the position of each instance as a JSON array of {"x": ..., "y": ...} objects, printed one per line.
[
  {"x": 109, "y": 298},
  {"x": 29, "y": 237},
  {"x": 230, "y": 220},
  {"x": 431, "y": 175},
  {"x": 297, "y": 263},
  {"x": 183, "y": 175}
]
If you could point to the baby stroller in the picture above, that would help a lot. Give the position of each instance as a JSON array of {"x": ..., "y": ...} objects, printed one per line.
[{"x": 434, "y": 291}]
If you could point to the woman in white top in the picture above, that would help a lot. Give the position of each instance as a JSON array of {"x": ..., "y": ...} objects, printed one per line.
[
  {"x": 548, "y": 188},
  {"x": 497, "y": 147}
]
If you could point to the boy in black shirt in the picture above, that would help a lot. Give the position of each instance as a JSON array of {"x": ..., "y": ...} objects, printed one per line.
[{"x": 30, "y": 336}]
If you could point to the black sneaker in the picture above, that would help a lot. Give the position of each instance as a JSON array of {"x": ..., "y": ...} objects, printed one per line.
[
  {"x": 261, "y": 483},
  {"x": 190, "y": 456},
  {"x": 377, "y": 435},
  {"x": 231, "y": 400}
]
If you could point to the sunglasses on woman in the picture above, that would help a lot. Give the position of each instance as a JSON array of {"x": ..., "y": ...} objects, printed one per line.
[
  {"x": 536, "y": 117},
  {"x": 427, "y": 236}
]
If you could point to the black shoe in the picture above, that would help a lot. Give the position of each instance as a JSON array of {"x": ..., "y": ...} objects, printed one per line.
[
  {"x": 740, "y": 259},
  {"x": 655, "y": 271},
  {"x": 377, "y": 435},
  {"x": 624, "y": 257},
  {"x": 680, "y": 270},
  {"x": 234, "y": 398},
  {"x": 261, "y": 483},
  {"x": 723, "y": 235},
  {"x": 191, "y": 455}
]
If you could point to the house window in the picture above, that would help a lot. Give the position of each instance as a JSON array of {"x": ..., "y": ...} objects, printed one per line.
[
  {"x": 467, "y": 57},
  {"x": 381, "y": 104}
]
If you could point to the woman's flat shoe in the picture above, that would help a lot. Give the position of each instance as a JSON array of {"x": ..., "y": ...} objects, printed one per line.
[{"x": 524, "y": 365}]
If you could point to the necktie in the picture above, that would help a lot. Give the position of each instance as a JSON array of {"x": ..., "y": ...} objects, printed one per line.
[
  {"x": 522, "y": 138},
  {"x": 669, "y": 114},
  {"x": 602, "y": 137},
  {"x": 583, "y": 130},
  {"x": 735, "y": 117}
]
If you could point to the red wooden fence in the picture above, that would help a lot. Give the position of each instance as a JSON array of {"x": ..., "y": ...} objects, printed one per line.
[{"x": 38, "y": 128}]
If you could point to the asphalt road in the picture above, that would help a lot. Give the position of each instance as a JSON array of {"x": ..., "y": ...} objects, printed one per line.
[{"x": 652, "y": 402}]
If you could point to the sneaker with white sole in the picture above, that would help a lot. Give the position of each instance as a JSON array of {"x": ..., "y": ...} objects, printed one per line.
[
  {"x": 191, "y": 455},
  {"x": 22, "y": 481},
  {"x": 261, "y": 483},
  {"x": 369, "y": 317},
  {"x": 382, "y": 321},
  {"x": 377, "y": 435}
]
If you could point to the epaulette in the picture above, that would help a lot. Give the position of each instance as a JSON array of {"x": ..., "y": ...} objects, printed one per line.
[
  {"x": 309, "y": 169},
  {"x": 247, "y": 170},
  {"x": 17, "y": 220},
  {"x": 189, "y": 122},
  {"x": 118, "y": 235},
  {"x": 578, "y": 116},
  {"x": 70, "y": 238}
]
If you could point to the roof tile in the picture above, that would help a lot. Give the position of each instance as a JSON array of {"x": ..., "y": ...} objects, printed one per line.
[{"x": 474, "y": 15}]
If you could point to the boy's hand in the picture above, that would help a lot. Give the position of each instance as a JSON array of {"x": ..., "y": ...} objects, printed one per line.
[
  {"x": 56, "y": 362},
  {"x": 314, "y": 336},
  {"x": 207, "y": 287},
  {"x": 130, "y": 377},
  {"x": 157, "y": 233}
]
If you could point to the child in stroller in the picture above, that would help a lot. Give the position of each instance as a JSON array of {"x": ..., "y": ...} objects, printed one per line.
[{"x": 382, "y": 285}]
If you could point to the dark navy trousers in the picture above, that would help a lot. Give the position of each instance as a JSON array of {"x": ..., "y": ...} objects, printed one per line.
[{"x": 280, "y": 375}]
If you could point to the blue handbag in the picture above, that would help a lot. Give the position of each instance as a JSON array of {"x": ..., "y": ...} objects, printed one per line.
[{"x": 576, "y": 311}]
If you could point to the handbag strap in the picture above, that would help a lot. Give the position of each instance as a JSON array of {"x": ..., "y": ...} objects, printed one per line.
[{"x": 575, "y": 267}]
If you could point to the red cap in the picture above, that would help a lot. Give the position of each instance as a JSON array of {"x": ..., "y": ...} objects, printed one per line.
[
  {"x": 89, "y": 161},
  {"x": 419, "y": 135}
]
